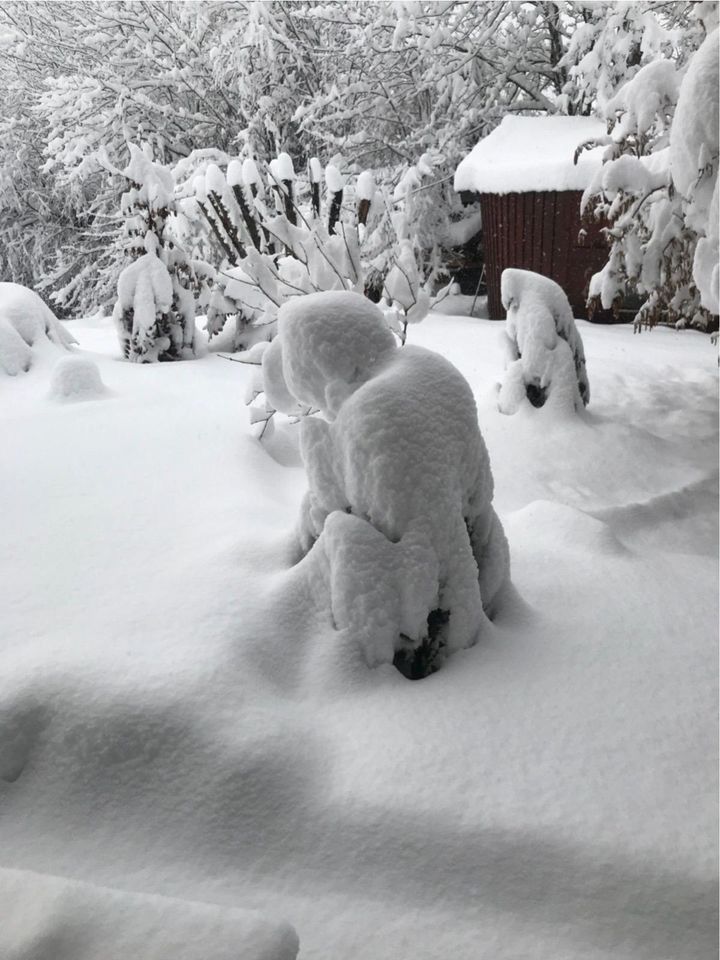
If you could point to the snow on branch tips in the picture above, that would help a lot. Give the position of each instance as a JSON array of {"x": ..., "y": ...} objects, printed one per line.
[
  {"x": 545, "y": 363},
  {"x": 658, "y": 190},
  {"x": 398, "y": 522},
  {"x": 155, "y": 307},
  {"x": 274, "y": 241}
]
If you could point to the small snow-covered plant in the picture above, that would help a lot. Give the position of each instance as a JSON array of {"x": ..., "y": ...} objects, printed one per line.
[
  {"x": 545, "y": 359},
  {"x": 404, "y": 284},
  {"x": 398, "y": 522},
  {"x": 155, "y": 308}
]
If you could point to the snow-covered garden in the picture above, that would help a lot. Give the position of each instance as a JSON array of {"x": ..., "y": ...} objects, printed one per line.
[{"x": 339, "y": 618}]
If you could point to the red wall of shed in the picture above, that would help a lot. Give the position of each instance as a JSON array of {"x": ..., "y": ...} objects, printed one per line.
[{"x": 540, "y": 232}]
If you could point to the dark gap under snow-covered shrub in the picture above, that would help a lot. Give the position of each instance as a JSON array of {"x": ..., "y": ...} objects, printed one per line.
[
  {"x": 545, "y": 355},
  {"x": 398, "y": 518}
]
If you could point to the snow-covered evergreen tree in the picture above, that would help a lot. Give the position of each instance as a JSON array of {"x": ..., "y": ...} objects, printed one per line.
[
  {"x": 545, "y": 358},
  {"x": 155, "y": 308}
]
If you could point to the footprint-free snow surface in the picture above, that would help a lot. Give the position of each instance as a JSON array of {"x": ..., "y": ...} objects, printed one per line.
[{"x": 189, "y": 769}]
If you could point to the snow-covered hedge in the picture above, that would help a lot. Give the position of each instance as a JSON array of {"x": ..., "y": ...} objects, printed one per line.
[
  {"x": 26, "y": 323},
  {"x": 545, "y": 355},
  {"x": 398, "y": 516}
]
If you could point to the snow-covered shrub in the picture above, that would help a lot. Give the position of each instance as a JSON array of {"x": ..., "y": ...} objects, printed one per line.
[
  {"x": 273, "y": 241},
  {"x": 76, "y": 378},
  {"x": 25, "y": 322},
  {"x": 276, "y": 242},
  {"x": 545, "y": 355},
  {"x": 398, "y": 514},
  {"x": 656, "y": 189},
  {"x": 694, "y": 165},
  {"x": 155, "y": 308}
]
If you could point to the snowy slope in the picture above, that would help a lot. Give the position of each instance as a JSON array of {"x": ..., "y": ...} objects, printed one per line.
[{"x": 176, "y": 721}]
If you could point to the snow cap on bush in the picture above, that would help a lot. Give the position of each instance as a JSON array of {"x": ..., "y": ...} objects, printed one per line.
[{"x": 331, "y": 341}]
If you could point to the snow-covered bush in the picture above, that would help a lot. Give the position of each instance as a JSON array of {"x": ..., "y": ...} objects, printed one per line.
[
  {"x": 387, "y": 82},
  {"x": 155, "y": 308},
  {"x": 398, "y": 515},
  {"x": 25, "y": 323},
  {"x": 612, "y": 40},
  {"x": 656, "y": 190},
  {"x": 545, "y": 355},
  {"x": 277, "y": 243}
]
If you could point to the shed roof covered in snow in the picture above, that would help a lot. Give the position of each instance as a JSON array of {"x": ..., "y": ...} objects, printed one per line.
[{"x": 526, "y": 154}]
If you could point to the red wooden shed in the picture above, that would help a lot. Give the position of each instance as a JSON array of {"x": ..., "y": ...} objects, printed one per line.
[{"x": 530, "y": 191}]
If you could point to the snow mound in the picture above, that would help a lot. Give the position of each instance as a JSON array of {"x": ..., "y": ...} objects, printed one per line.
[
  {"x": 76, "y": 378},
  {"x": 544, "y": 351},
  {"x": 398, "y": 515},
  {"x": 48, "y": 917},
  {"x": 26, "y": 322}
]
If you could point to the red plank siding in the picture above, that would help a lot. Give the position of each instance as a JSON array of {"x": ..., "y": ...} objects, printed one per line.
[{"x": 539, "y": 232}]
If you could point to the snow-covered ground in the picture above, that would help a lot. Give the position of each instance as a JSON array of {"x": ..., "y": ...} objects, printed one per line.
[{"x": 174, "y": 722}]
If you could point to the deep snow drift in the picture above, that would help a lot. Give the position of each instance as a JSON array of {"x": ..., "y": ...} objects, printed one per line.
[{"x": 175, "y": 722}]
